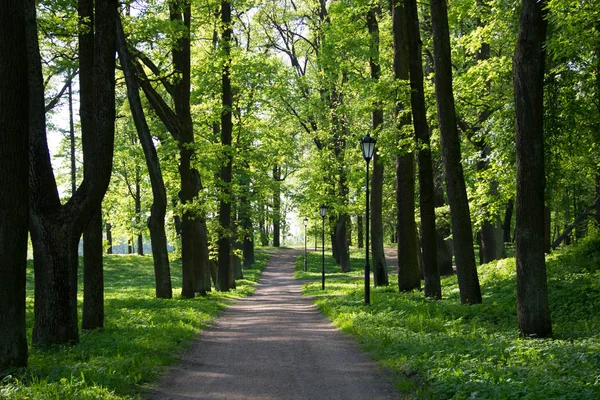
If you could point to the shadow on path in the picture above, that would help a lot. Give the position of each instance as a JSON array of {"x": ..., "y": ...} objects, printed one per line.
[{"x": 274, "y": 345}]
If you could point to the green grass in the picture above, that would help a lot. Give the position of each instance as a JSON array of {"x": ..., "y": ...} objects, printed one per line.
[
  {"x": 141, "y": 334},
  {"x": 444, "y": 350},
  {"x": 332, "y": 270}
]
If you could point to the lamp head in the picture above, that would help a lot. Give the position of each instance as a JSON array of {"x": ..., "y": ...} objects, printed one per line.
[
  {"x": 323, "y": 210},
  {"x": 367, "y": 145},
  {"x": 305, "y": 221}
]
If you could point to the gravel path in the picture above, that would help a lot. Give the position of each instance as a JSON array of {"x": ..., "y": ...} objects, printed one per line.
[{"x": 275, "y": 345}]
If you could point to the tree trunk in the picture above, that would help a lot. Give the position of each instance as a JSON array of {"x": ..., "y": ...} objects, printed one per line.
[
  {"x": 56, "y": 229},
  {"x": 426, "y": 190},
  {"x": 226, "y": 275},
  {"x": 380, "y": 275},
  {"x": 109, "y": 238},
  {"x": 246, "y": 222},
  {"x": 462, "y": 234},
  {"x": 93, "y": 275},
  {"x": 72, "y": 139},
  {"x": 138, "y": 213},
  {"x": 189, "y": 176},
  {"x": 506, "y": 226},
  {"x": 156, "y": 221},
  {"x": 341, "y": 241},
  {"x": 277, "y": 206},
  {"x": 408, "y": 245},
  {"x": 533, "y": 309},
  {"x": 14, "y": 167},
  {"x": 359, "y": 232}
]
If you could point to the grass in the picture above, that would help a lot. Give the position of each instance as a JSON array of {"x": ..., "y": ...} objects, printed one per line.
[
  {"x": 444, "y": 350},
  {"x": 141, "y": 335}
]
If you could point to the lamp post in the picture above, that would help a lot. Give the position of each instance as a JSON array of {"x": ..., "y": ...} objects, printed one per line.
[
  {"x": 305, "y": 262},
  {"x": 323, "y": 211},
  {"x": 367, "y": 145}
]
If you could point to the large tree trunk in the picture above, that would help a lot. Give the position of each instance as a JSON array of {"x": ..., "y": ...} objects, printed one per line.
[
  {"x": 533, "y": 309},
  {"x": 56, "y": 229},
  {"x": 408, "y": 245},
  {"x": 226, "y": 277},
  {"x": 180, "y": 12},
  {"x": 93, "y": 275},
  {"x": 462, "y": 234},
  {"x": 14, "y": 192},
  {"x": 380, "y": 275},
  {"x": 156, "y": 221},
  {"x": 426, "y": 189}
]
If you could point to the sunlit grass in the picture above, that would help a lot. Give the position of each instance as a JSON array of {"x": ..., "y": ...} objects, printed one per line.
[
  {"x": 444, "y": 350},
  {"x": 141, "y": 334},
  {"x": 332, "y": 270}
]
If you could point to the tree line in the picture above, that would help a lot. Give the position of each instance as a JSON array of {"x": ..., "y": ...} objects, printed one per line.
[{"x": 197, "y": 118}]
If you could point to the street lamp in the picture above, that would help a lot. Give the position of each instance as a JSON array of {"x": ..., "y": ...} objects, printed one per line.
[
  {"x": 323, "y": 211},
  {"x": 305, "y": 262},
  {"x": 367, "y": 145}
]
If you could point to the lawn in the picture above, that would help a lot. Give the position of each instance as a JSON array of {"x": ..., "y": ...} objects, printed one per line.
[
  {"x": 444, "y": 350},
  {"x": 142, "y": 334}
]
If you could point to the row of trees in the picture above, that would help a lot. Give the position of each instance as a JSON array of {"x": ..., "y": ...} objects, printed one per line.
[{"x": 235, "y": 104}]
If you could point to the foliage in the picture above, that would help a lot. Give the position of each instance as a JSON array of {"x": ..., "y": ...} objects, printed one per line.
[
  {"x": 442, "y": 350},
  {"x": 142, "y": 335}
]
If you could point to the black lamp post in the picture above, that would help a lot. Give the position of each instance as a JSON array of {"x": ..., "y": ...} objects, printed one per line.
[
  {"x": 323, "y": 211},
  {"x": 367, "y": 145},
  {"x": 305, "y": 262}
]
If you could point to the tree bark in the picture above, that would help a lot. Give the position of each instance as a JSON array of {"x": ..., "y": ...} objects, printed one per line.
[
  {"x": 156, "y": 221},
  {"x": 14, "y": 190},
  {"x": 426, "y": 188},
  {"x": 109, "y": 238},
  {"x": 408, "y": 245},
  {"x": 226, "y": 275},
  {"x": 359, "y": 232},
  {"x": 380, "y": 275},
  {"x": 277, "y": 206},
  {"x": 93, "y": 275},
  {"x": 56, "y": 229},
  {"x": 462, "y": 234},
  {"x": 506, "y": 226},
  {"x": 533, "y": 309},
  {"x": 138, "y": 213}
]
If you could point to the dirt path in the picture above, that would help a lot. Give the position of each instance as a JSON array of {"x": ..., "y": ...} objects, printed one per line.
[{"x": 275, "y": 345}]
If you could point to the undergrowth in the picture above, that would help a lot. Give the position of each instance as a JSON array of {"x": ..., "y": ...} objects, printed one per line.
[
  {"x": 141, "y": 334},
  {"x": 444, "y": 350}
]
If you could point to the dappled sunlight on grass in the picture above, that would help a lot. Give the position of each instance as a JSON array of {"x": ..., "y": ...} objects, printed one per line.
[
  {"x": 444, "y": 350},
  {"x": 141, "y": 334}
]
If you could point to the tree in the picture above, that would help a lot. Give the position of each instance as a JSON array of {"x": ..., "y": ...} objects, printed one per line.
[
  {"x": 156, "y": 221},
  {"x": 426, "y": 189},
  {"x": 380, "y": 276},
  {"x": 14, "y": 189},
  {"x": 408, "y": 244},
  {"x": 226, "y": 277},
  {"x": 93, "y": 268},
  {"x": 533, "y": 309},
  {"x": 55, "y": 228},
  {"x": 466, "y": 270},
  {"x": 178, "y": 120}
]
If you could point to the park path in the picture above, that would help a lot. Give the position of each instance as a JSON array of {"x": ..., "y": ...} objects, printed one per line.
[{"x": 274, "y": 345}]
